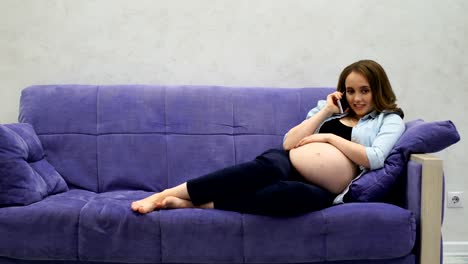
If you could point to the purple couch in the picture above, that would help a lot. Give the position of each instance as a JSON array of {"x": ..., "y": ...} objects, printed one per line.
[{"x": 115, "y": 144}]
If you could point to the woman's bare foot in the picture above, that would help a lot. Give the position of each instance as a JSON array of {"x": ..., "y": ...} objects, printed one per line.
[
  {"x": 154, "y": 202},
  {"x": 148, "y": 204},
  {"x": 173, "y": 202}
]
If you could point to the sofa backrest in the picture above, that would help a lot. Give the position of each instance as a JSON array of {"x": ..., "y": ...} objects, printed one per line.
[{"x": 104, "y": 138}]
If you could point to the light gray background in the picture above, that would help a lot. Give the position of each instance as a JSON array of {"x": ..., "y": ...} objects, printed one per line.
[{"x": 295, "y": 43}]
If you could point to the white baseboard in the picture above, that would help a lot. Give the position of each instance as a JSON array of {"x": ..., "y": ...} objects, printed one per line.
[{"x": 455, "y": 248}]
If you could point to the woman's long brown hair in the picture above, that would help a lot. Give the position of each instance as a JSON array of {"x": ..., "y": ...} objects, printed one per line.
[{"x": 383, "y": 96}]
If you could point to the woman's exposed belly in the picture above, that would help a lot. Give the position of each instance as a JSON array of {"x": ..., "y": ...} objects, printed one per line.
[{"x": 324, "y": 165}]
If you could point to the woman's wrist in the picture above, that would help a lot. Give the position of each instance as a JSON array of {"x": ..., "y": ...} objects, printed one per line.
[{"x": 327, "y": 111}]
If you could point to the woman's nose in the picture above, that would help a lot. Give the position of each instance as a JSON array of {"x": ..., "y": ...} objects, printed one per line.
[{"x": 357, "y": 97}]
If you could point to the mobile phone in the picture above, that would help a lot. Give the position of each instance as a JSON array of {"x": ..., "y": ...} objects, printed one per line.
[
  {"x": 339, "y": 105},
  {"x": 342, "y": 103}
]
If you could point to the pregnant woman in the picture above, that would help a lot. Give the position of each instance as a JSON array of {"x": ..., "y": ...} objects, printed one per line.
[{"x": 319, "y": 159}]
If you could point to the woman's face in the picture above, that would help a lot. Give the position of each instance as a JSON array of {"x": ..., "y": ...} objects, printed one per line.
[{"x": 359, "y": 94}]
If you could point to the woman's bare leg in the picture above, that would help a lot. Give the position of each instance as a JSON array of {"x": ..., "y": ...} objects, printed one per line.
[{"x": 155, "y": 201}]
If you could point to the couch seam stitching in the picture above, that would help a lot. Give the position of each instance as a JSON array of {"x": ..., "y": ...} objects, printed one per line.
[
  {"x": 97, "y": 135},
  {"x": 325, "y": 247},
  {"x": 243, "y": 238},
  {"x": 78, "y": 234},
  {"x": 160, "y": 239},
  {"x": 233, "y": 135},
  {"x": 78, "y": 231}
]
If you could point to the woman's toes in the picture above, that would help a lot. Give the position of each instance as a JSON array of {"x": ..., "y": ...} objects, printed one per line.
[
  {"x": 143, "y": 206},
  {"x": 135, "y": 206},
  {"x": 142, "y": 210}
]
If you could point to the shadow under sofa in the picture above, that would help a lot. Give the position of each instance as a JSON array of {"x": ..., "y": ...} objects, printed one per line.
[{"x": 115, "y": 144}]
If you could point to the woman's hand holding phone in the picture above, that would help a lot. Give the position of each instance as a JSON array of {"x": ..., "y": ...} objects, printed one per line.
[{"x": 335, "y": 101}]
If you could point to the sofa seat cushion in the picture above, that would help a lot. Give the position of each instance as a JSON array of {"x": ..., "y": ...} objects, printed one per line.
[
  {"x": 47, "y": 229},
  {"x": 201, "y": 236},
  {"x": 382, "y": 231},
  {"x": 343, "y": 232},
  {"x": 111, "y": 232}
]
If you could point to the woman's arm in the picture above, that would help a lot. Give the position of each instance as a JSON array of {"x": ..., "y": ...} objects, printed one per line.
[
  {"x": 308, "y": 126},
  {"x": 390, "y": 131},
  {"x": 354, "y": 151},
  {"x": 371, "y": 157}
]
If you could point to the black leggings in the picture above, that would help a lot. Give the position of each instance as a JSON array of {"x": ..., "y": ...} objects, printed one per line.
[{"x": 268, "y": 185}]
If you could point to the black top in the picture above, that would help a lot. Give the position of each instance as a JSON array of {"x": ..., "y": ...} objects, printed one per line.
[{"x": 334, "y": 126}]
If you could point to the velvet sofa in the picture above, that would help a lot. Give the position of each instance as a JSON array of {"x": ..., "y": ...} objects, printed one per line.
[{"x": 81, "y": 154}]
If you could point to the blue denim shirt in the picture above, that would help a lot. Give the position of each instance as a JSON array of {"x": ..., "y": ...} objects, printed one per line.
[{"x": 378, "y": 132}]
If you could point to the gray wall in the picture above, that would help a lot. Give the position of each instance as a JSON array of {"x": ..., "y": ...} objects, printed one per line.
[{"x": 293, "y": 43}]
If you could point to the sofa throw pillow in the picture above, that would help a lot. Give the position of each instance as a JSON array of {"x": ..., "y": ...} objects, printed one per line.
[
  {"x": 419, "y": 137},
  {"x": 25, "y": 175}
]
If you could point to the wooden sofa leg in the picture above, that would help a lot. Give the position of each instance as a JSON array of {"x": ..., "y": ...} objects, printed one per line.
[{"x": 431, "y": 207}]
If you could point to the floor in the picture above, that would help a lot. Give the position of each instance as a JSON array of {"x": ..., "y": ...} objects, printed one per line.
[{"x": 455, "y": 259}]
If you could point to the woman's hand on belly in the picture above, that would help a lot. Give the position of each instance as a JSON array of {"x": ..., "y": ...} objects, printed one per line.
[
  {"x": 323, "y": 138},
  {"x": 354, "y": 151}
]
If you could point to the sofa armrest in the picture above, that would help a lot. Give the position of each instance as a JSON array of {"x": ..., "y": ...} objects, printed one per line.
[{"x": 428, "y": 209}]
